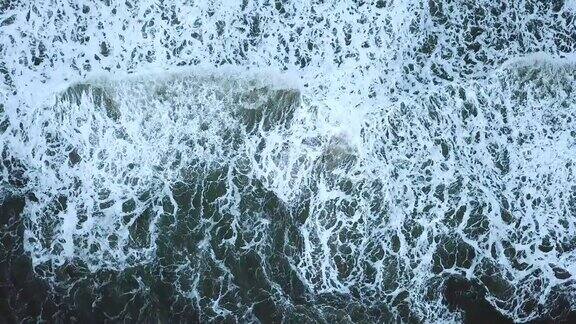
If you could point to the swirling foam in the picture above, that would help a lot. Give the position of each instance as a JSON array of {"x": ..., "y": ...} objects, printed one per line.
[{"x": 365, "y": 150}]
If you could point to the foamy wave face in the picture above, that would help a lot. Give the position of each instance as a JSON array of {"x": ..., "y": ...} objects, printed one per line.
[
  {"x": 107, "y": 155},
  {"x": 381, "y": 150}
]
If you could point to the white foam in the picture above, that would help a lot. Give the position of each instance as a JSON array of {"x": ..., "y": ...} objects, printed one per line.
[{"x": 407, "y": 115}]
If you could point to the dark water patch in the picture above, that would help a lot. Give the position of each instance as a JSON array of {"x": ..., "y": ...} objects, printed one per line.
[
  {"x": 469, "y": 297},
  {"x": 268, "y": 108},
  {"x": 101, "y": 98},
  {"x": 261, "y": 279}
]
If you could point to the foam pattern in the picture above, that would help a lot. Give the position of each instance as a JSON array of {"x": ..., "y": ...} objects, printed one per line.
[{"x": 294, "y": 160}]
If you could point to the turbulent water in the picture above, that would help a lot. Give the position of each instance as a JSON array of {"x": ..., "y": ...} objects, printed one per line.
[{"x": 296, "y": 161}]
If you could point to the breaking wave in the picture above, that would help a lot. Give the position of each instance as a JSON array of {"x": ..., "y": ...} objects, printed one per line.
[{"x": 296, "y": 161}]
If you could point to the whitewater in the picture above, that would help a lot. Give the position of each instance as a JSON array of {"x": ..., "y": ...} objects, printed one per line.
[{"x": 287, "y": 161}]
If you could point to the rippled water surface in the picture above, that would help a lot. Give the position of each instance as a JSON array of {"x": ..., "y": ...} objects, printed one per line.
[{"x": 287, "y": 161}]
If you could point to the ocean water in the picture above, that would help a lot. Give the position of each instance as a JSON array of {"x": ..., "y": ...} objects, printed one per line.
[{"x": 287, "y": 161}]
